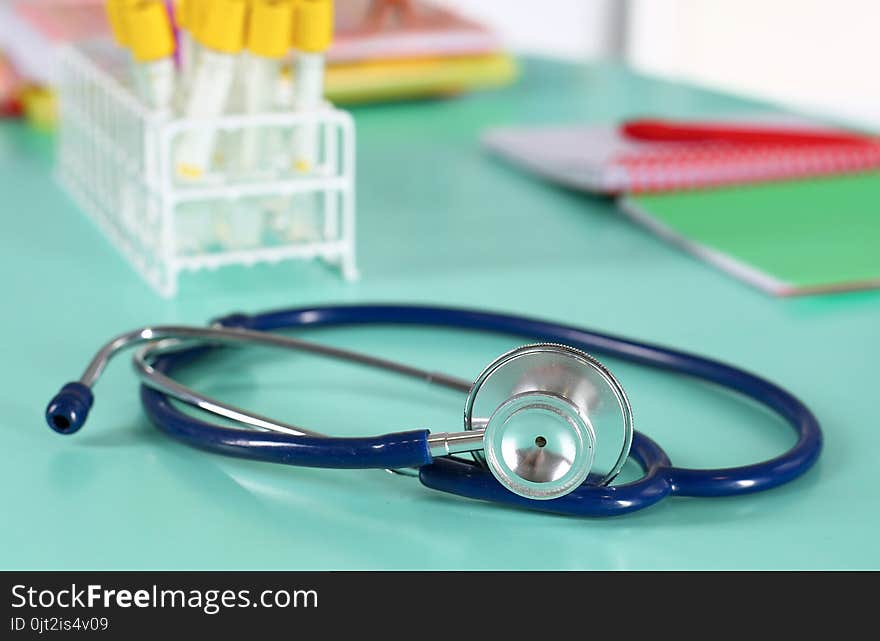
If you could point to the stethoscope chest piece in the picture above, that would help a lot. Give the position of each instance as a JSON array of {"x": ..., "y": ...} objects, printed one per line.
[{"x": 554, "y": 418}]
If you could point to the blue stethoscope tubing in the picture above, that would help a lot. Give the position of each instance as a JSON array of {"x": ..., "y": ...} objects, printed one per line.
[{"x": 410, "y": 449}]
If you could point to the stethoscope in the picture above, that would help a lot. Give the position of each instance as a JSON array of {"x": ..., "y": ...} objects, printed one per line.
[{"x": 547, "y": 425}]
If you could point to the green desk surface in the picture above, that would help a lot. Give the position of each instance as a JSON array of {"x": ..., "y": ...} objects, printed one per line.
[{"x": 438, "y": 222}]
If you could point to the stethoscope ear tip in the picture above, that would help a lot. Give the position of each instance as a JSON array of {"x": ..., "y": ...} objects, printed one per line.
[{"x": 68, "y": 410}]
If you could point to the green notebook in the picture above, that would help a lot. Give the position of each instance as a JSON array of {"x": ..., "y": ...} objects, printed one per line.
[{"x": 788, "y": 238}]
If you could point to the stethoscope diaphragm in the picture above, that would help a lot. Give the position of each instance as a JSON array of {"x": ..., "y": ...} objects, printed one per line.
[{"x": 553, "y": 418}]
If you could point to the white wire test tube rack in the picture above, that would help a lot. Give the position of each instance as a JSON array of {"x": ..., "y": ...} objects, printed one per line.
[{"x": 116, "y": 158}]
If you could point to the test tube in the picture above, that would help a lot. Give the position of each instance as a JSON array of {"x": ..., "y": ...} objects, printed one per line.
[
  {"x": 269, "y": 34},
  {"x": 149, "y": 33},
  {"x": 115, "y": 11},
  {"x": 221, "y": 38},
  {"x": 312, "y": 35},
  {"x": 186, "y": 17},
  {"x": 268, "y": 39}
]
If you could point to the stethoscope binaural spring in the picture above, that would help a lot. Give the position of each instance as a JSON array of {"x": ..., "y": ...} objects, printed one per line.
[{"x": 548, "y": 426}]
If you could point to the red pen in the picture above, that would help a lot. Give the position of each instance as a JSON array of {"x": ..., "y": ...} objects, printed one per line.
[
  {"x": 11, "y": 108},
  {"x": 659, "y": 130}
]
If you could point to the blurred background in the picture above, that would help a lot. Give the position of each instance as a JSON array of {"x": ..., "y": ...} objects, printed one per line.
[
  {"x": 810, "y": 54},
  {"x": 798, "y": 63}
]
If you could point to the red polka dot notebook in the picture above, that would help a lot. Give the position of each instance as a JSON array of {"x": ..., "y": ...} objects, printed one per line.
[{"x": 606, "y": 159}]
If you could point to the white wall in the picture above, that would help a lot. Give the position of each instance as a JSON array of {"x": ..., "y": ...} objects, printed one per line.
[
  {"x": 821, "y": 55},
  {"x": 571, "y": 29},
  {"x": 817, "y": 55}
]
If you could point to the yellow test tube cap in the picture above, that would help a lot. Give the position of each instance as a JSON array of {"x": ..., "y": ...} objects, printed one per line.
[
  {"x": 270, "y": 27},
  {"x": 116, "y": 17},
  {"x": 313, "y": 25},
  {"x": 149, "y": 31},
  {"x": 192, "y": 16},
  {"x": 222, "y": 25},
  {"x": 182, "y": 9}
]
